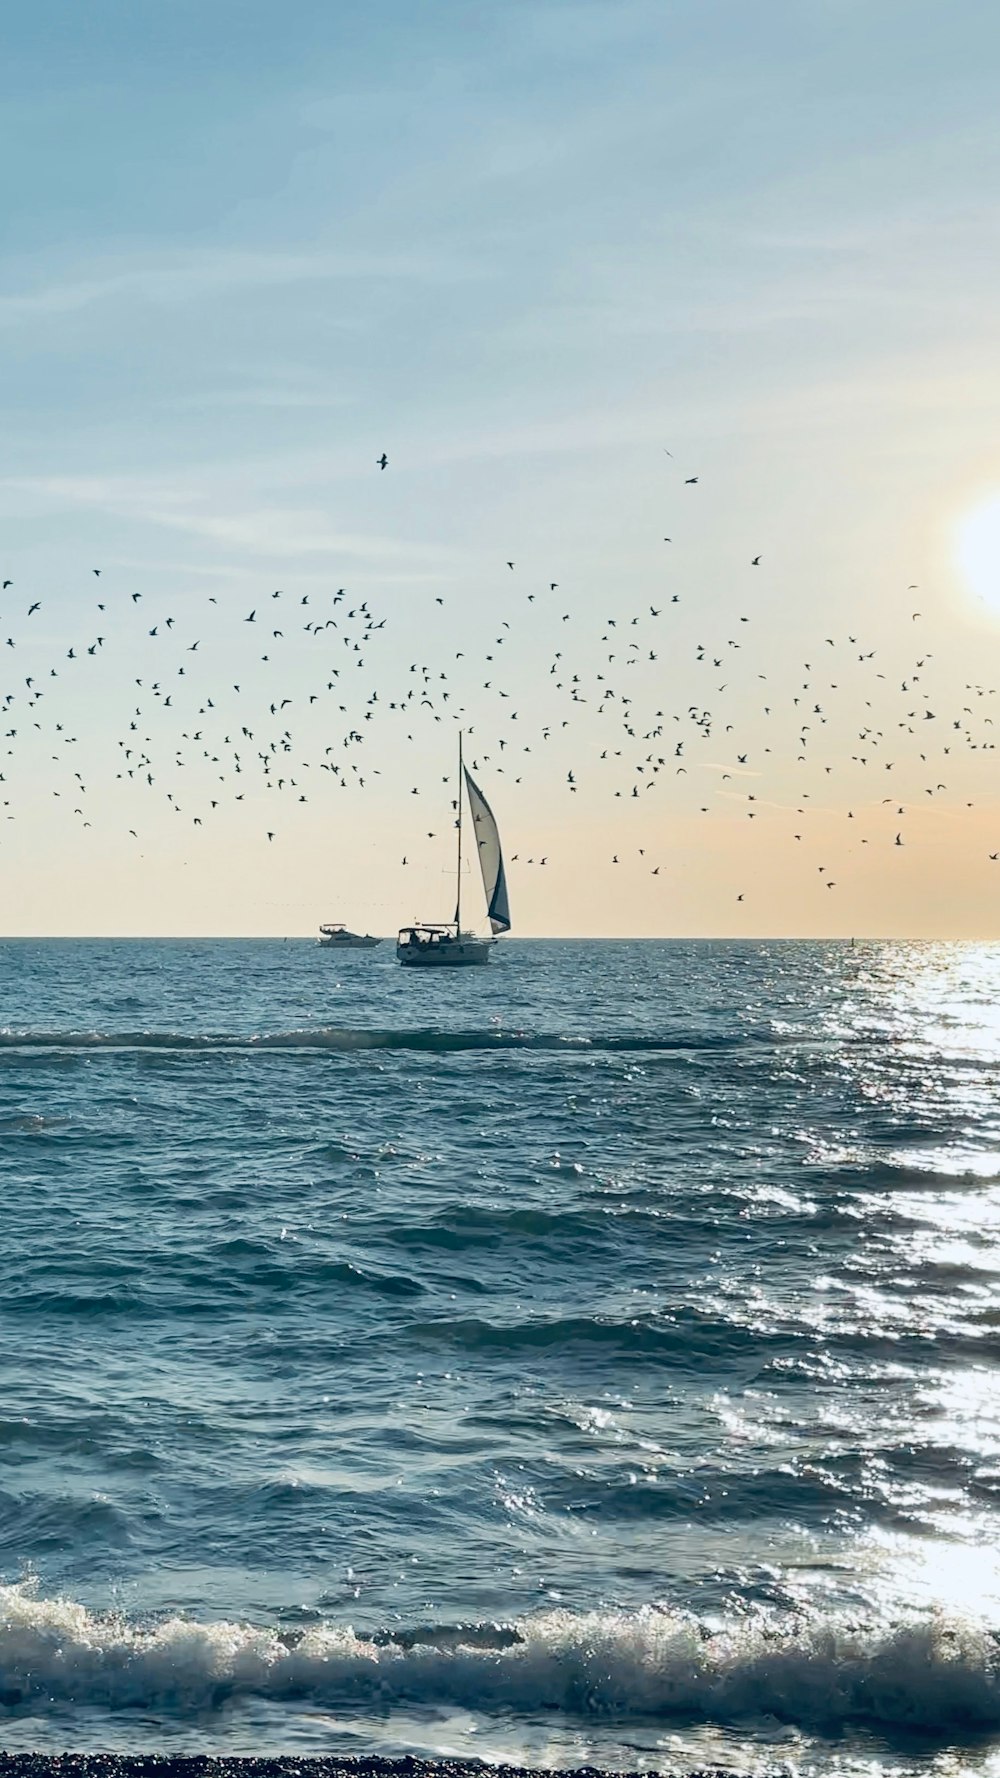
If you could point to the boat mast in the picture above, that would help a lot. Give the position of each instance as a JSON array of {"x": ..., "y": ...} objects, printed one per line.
[{"x": 458, "y": 885}]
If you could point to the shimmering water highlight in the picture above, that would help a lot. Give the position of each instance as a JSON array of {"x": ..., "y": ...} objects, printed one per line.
[{"x": 596, "y": 1358}]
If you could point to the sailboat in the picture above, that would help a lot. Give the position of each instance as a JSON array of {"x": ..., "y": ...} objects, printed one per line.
[{"x": 429, "y": 946}]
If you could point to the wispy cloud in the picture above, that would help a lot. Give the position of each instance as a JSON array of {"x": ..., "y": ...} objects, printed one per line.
[
  {"x": 195, "y": 275},
  {"x": 275, "y": 398},
  {"x": 256, "y": 528}
]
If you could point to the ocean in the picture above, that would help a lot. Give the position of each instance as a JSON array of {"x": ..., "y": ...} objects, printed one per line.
[{"x": 593, "y": 1358}]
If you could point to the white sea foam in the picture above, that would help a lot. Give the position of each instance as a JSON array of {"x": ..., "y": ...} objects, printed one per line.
[{"x": 934, "y": 1674}]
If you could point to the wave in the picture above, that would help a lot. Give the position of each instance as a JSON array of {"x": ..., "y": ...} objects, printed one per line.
[
  {"x": 880, "y": 1173},
  {"x": 933, "y": 1675},
  {"x": 345, "y": 1038},
  {"x": 688, "y": 1335}
]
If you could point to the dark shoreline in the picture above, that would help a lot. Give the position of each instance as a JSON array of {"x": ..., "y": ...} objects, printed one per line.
[{"x": 155, "y": 1765}]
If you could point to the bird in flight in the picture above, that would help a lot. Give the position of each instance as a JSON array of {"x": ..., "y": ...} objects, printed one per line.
[
  {"x": 756, "y": 562},
  {"x": 382, "y": 461}
]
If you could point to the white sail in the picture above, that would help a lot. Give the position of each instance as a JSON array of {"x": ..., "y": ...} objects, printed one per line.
[{"x": 490, "y": 858}]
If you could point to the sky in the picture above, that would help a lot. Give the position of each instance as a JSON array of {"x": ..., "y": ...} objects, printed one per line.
[{"x": 554, "y": 260}]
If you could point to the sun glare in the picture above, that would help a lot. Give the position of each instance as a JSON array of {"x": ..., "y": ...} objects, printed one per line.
[{"x": 977, "y": 552}]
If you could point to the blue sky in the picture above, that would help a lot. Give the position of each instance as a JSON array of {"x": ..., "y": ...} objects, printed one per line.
[{"x": 524, "y": 249}]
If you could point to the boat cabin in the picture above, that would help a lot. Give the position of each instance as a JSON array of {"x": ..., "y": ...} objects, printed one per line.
[{"x": 428, "y": 935}]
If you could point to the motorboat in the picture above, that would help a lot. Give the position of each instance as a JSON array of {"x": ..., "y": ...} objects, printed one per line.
[{"x": 335, "y": 936}]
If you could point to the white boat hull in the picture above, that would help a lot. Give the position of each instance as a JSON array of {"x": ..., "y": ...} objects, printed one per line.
[{"x": 443, "y": 953}]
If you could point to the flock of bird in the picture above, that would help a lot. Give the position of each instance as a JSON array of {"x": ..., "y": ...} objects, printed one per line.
[{"x": 198, "y": 707}]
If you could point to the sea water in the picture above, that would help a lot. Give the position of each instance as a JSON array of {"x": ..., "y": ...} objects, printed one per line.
[{"x": 594, "y": 1357}]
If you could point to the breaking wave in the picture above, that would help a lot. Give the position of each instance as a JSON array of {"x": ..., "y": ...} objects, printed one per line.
[{"x": 934, "y": 1675}]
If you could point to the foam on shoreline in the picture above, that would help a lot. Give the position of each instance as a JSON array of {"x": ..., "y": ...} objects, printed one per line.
[{"x": 931, "y": 1675}]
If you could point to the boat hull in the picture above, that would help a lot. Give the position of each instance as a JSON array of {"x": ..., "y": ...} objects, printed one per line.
[
  {"x": 348, "y": 944},
  {"x": 454, "y": 953}
]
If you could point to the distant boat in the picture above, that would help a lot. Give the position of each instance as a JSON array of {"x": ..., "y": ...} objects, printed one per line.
[
  {"x": 447, "y": 945},
  {"x": 334, "y": 936}
]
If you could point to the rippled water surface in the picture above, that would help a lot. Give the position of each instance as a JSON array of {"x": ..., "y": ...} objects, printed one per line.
[{"x": 594, "y": 1356}]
